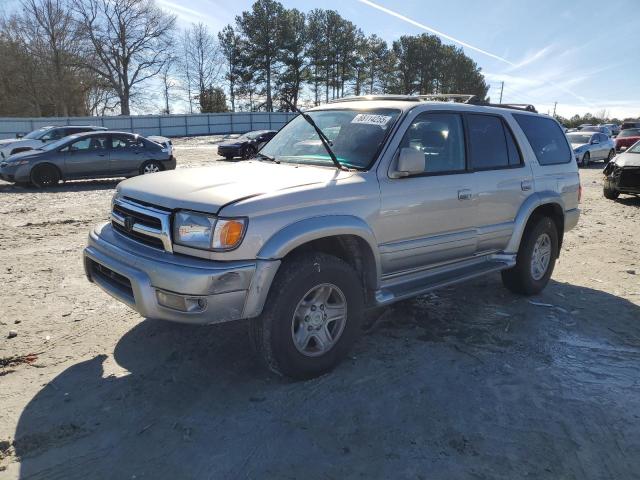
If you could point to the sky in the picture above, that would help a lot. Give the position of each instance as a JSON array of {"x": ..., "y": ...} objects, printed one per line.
[{"x": 581, "y": 54}]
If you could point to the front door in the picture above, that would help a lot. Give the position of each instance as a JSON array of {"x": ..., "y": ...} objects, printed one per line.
[
  {"x": 428, "y": 218},
  {"x": 87, "y": 157}
]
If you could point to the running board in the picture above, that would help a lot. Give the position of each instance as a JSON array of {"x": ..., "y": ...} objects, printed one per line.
[{"x": 433, "y": 279}]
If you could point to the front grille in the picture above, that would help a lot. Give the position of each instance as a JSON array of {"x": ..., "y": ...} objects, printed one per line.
[
  {"x": 139, "y": 217},
  {"x": 140, "y": 237},
  {"x": 629, "y": 178},
  {"x": 142, "y": 222}
]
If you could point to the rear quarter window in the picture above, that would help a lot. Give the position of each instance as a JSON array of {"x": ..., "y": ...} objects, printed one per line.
[{"x": 546, "y": 138}]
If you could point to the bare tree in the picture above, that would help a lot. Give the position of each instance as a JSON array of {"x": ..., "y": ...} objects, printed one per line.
[
  {"x": 169, "y": 83},
  {"x": 201, "y": 63},
  {"x": 128, "y": 41}
]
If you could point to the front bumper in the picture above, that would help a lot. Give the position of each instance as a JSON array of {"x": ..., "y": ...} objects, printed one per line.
[
  {"x": 224, "y": 151},
  {"x": 144, "y": 278},
  {"x": 622, "y": 179}
]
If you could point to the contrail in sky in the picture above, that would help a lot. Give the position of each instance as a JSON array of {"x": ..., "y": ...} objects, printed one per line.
[
  {"x": 434, "y": 31},
  {"x": 465, "y": 44}
]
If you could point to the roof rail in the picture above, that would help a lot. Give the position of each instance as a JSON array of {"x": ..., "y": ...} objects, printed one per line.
[
  {"x": 439, "y": 97},
  {"x": 361, "y": 98}
]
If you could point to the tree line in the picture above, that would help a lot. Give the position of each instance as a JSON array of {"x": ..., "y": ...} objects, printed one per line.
[{"x": 92, "y": 57}]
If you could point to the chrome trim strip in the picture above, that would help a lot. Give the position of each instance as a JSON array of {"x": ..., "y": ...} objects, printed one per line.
[{"x": 164, "y": 234}]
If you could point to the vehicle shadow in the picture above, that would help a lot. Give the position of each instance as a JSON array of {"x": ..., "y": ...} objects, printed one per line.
[
  {"x": 630, "y": 200},
  {"x": 70, "y": 186},
  {"x": 469, "y": 382}
]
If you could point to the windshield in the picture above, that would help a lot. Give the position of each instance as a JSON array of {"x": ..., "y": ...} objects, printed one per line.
[
  {"x": 635, "y": 148},
  {"x": 632, "y": 132},
  {"x": 249, "y": 136},
  {"x": 590, "y": 129},
  {"x": 356, "y": 136},
  {"x": 36, "y": 134},
  {"x": 57, "y": 143},
  {"x": 578, "y": 138}
]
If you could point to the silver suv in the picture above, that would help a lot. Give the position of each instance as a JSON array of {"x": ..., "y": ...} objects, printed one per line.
[{"x": 352, "y": 205}]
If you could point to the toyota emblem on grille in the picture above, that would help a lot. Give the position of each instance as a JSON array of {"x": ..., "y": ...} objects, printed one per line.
[{"x": 128, "y": 223}]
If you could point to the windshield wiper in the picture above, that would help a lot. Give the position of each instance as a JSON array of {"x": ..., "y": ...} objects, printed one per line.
[
  {"x": 267, "y": 157},
  {"x": 323, "y": 138}
]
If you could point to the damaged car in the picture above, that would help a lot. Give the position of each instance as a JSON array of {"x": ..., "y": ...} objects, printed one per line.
[{"x": 622, "y": 174}]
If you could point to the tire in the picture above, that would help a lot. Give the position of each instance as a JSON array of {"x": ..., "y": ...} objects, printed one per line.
[
  {"x": 249, "y": 152},
  {"x": 43, "y": 176},
  {"x": 609, "y": 192},
  {"x": 150, "y": 167},
  {"x": 285, "y": 316},
  {"x": 612, "y": 153},
  {"x": 524, "y": 278},
  {"x": 586, "y": 159}
]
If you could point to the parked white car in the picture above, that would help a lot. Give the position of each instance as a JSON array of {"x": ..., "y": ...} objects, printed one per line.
[
  {"x": 166, "y": 143},
  {"x": 591, "y": 146},
  {"x": 40, "y": 137}
]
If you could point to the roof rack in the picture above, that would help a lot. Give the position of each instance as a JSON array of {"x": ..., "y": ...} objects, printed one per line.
[{"x": 439, "y": 97}]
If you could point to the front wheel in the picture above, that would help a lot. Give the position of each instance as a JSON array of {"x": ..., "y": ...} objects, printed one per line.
[
  {"x": 45, "y": 176},
  {"x": 612, "y": 153},
  {"x": 249, "y": 152},
  {"x": 536, "y": 258},
  {"x": 609, "y": 192},
  {"x": 312, "y": 316}
]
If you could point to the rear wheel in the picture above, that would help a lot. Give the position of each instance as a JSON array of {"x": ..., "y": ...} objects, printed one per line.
[
  {"x": 586, "y": 159},
  {"x": 45, "y": 176},
  {"x": 150, "y": 167},
  {"x": 536, "y": 258},
  {"x": 312, "y": 316}
]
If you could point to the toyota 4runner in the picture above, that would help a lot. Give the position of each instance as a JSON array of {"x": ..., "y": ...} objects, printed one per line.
[{"x": 355, "y": 204}]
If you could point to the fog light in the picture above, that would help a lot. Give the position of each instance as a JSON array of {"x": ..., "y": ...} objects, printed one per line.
[{"x": 180, "y": 302}]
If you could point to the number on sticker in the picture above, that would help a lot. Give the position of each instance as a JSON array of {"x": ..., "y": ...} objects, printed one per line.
[{"x": 371, "y": 119}]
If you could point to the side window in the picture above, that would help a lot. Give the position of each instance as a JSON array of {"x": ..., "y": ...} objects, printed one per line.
[
  {"x": 89, "y": 143},
  {"x": 122, "y": 141},
  {"x": 515, "y": 158},
  {"x": 603, "y": 138},
  {"x": 546, "y": 138},
  {"x": 53, "y": 134},
  {"x": 487, "y": 142},
  {"x": 439, "y": 136}
]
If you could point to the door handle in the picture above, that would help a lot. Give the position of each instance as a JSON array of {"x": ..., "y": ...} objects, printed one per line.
[
  {"x": 526, "y": 185},
  {"x": 464, "y": 194}
]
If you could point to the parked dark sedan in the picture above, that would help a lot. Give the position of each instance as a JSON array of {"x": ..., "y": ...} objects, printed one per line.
[
  {"x": 87, "y": 155},
  {"x": 246, "y": 145}
]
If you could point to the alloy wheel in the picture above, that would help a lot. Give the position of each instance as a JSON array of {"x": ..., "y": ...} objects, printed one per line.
[
  {"x": 541, "y": 256},
  {"x": 319, "y": 320}
]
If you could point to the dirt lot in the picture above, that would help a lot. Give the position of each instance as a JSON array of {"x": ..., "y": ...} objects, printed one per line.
[{"x": 470, "y": 382}]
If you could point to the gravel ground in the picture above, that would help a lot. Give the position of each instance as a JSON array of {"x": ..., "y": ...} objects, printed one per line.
[{"x": 470, "y": 382}]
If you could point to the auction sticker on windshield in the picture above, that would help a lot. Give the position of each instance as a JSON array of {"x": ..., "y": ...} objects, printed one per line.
[{"x": 371, "y": 119}]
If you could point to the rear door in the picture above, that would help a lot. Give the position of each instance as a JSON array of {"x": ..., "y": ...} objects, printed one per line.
[
  {"x": 87, "y": 156},
  {"x": 127, "y": 153},
  {"x": 501, "y": 180},
  {"x": 428, "y": 218}
]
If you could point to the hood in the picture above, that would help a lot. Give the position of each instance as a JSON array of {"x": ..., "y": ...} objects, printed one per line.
[
  {"x": 208, "y": 189},
  {"x": 25, "y": 154},
  {"x": 575, "y": 146},
  {"x": 627, "y": 159},
  {"x": 8, "y": 141},
  {"x": 230, "y": 143}
]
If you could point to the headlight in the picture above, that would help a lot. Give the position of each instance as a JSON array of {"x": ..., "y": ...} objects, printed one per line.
[
  {"x": 197, "y": 230},
  {"x": 16, "y": 163}
]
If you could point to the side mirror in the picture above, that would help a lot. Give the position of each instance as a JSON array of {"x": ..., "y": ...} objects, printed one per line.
[
  {"x": 410, "y": 162},
  {"x": 19, "y": 135},
  {"x": 595, "y": 142}
]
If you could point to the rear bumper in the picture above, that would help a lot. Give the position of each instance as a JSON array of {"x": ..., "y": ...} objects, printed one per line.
[
  {"x": 571, "y": 218},
  {"x": 169, "y": 164},
  {"x": 149, "y": 280},
  {"x": 229, "y": 151}
]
